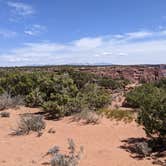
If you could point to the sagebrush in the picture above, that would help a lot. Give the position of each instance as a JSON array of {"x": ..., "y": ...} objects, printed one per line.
[
  {"x": 6, "y": 101},
  {"x": 72, "y": 158},
  {"x": 29, "y": 122}
]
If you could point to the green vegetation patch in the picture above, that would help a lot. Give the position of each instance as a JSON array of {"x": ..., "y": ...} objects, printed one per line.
[
  {"x": 119, "y": 115},
  {"x": 58, "y": 93},
  {"x": 151, "y": 99}
]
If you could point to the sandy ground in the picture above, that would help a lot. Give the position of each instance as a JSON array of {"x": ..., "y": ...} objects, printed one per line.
[{"x": 101, "y": 142}]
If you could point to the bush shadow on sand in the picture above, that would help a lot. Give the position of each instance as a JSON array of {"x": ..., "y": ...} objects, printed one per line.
[{"x": 137, "y": 148}]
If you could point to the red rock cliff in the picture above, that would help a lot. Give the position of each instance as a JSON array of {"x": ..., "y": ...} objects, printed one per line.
[{"x": 132, "y": 73}]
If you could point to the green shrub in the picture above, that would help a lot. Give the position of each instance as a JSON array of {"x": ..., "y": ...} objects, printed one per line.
[
  {"x": 94, "y": 97},
  {"x": 60, "y": 100},
  {"x": 137, "y": 96},
  {"x": 151, "y": 99},
  {"x": 153, "y": 113},
  {"x": 60, "y": 94},
  {"x": 54, "y": 110},
  {"x": 161, "y": 83},
  {"x": 81, "y": 78},
  {"x": 34, "y": 99},
  {"x": 110, "y": 83},
  {"x": 19, "y": 83},
  {"x": 91, "y": 96}
]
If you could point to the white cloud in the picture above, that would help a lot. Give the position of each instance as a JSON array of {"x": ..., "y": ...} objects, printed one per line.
[
  {"x": 134, "y": 35},
  {"x": 7, "y": 33},
  {"x": 123, "y": 54},
  {"x": 139, "y": 35},
  {"x": 107, "y": 53},
  {"x": 20, "y": 9},
  {"x": 150, "y": 48},
  {"x": 34, "y": 30},
  {"x": 89, "y": 43}
]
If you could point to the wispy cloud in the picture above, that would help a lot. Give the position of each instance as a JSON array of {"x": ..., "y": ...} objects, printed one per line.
[
  {"x": 129, "y": 48},
  {"x": 139, "y": 35},
  {"x": 19, "y": 9},
  {"x": 34, "y": 30},
  {"x": 7, "y": 33}
]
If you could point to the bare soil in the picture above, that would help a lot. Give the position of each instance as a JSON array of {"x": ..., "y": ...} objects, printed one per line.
[{"x": 102, "y": 143}]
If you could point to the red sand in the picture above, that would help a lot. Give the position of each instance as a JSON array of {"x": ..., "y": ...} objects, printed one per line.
[{"x": 101, "y": 142}]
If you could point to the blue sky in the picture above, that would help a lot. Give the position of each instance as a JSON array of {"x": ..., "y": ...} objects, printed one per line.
[{"x": 82, "y": 31}]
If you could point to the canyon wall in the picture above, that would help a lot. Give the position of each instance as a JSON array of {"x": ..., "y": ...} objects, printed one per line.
[{"x": 132, "y": 73}]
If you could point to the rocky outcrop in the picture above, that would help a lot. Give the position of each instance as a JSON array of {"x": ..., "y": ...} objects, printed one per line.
[{"x": 132, "y": 73}]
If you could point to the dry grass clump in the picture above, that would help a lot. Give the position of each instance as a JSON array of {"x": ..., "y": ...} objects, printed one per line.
[
  {"x": 120, "y": 115},
  {"x": 72, "y": 158},
  {"x": 29, "y": 122},
  {"x": 4, "y": 114},
  {"x": 6, "y": 101},
  {"x": 87, "y": 117}
]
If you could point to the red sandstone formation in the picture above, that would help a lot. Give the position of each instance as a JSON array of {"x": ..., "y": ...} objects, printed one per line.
[{"x": 132, "y": 73}]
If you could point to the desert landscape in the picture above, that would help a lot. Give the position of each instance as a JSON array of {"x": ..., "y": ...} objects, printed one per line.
[
  {"x": 102, "y": 143},
  {"x": 83, "y": 83},
  {"x": 109, "y": 133}
]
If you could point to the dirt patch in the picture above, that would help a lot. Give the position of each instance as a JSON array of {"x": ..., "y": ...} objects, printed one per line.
[{"x": 101, "y": 142}]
